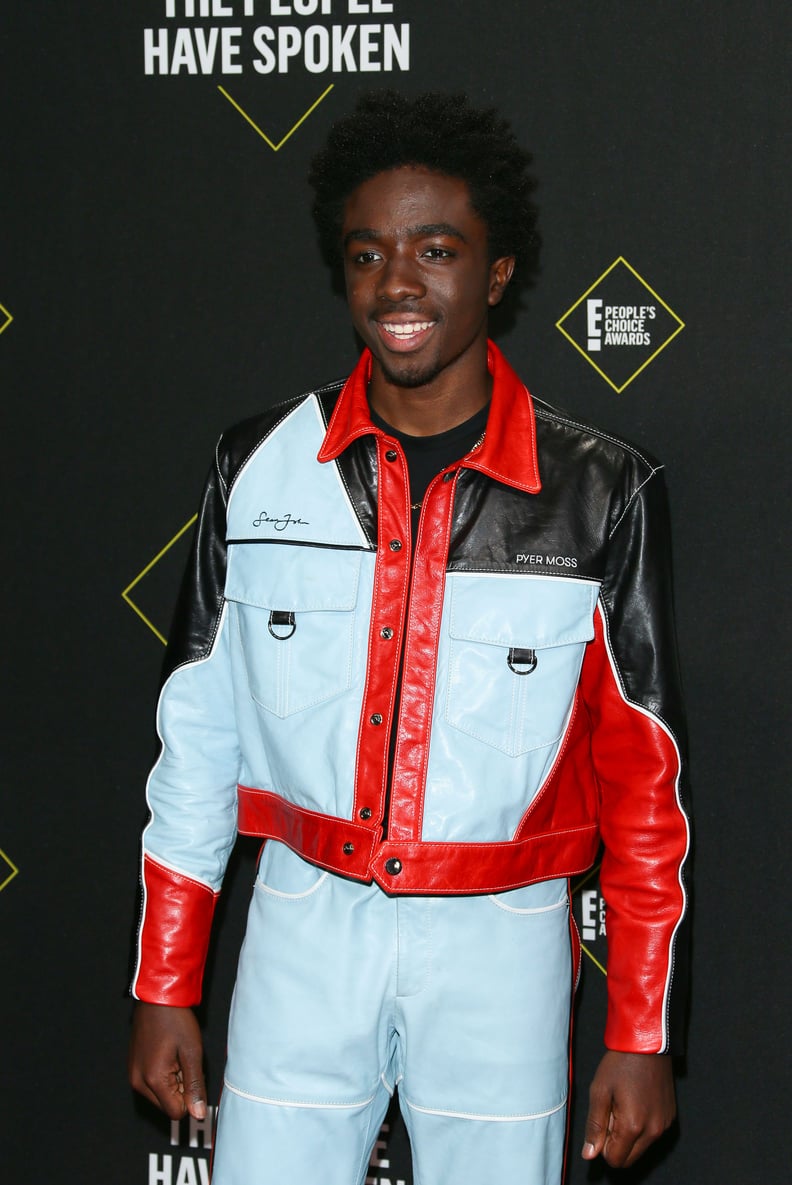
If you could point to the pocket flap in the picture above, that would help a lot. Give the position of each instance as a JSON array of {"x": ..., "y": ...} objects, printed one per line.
[
  {"x": 523, "y": 611},
  {"x": 301, "y": 578}
]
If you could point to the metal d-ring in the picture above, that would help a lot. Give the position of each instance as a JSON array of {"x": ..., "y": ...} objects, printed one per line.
[
  {"x": 283, "y": 618},
  {"x": 522, "y": 658}
]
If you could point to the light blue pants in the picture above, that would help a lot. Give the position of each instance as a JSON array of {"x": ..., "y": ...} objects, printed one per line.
[{"x": 344, "y": 992}]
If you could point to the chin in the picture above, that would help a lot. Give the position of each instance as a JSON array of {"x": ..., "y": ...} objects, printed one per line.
[{"x": 410, "y": 376}]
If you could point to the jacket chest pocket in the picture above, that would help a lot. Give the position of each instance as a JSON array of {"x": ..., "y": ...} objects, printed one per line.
[
  {"x": 295, "y": 611},
  {"x": 515, "y": 651}
]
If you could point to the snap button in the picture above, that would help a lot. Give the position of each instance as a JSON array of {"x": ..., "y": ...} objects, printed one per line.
[
  {"x": 395, "y": 544},
  {"x": 393, "y": 866},
  {"x": 365, "y": 812},
  {"x": 391, "y": 454},
  {"x": 376, "y": 718},
  {"x": 349, "y": 849},
  {"x": 386, "y": 632}
]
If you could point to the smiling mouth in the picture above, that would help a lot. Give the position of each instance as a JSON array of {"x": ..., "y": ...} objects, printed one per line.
[
  {"x": 405, "y": 333},
  {"x": 407, "y": 330}
]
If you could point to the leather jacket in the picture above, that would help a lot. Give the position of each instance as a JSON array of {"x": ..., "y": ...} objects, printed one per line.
[{"x": 540, "y": 713}]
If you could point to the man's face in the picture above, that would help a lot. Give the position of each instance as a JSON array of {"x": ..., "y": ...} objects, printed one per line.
[{"x": 418, "y": 275}]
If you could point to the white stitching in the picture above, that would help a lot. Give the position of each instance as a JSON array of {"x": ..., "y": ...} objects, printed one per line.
[
  {"x": 544, "y": 411},
  {"x": 490, "y": 1118},
  {"x": 631, "y": 499},
  {"x": 255, "y": 1098},
  {"x": 527, "y": 912},
  {"x": 262, "y": 888}
]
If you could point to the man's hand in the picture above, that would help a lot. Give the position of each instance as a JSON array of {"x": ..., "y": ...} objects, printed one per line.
[
  {"x": 166, "y": 1059},
  {"x": 631, "y": 1103}
]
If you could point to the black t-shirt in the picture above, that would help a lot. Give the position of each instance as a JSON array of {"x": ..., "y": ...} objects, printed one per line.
[{"x": 427, "y": 456}]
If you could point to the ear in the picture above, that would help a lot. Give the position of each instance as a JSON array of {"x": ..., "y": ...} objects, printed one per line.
[{"x": 500, "y": 274}]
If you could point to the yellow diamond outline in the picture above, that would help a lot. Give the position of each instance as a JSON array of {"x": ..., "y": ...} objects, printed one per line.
[
  {"x": 651, "y": 358},
  {"x": 14, "y": 870},
  {"x": 146, "y": 570},
  {"x": 8, "y": 318},
  {"x": 579, "y": 885},
  {"x": 276, "y": 147}
]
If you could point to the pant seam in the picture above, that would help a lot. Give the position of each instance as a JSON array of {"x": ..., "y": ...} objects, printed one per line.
[
  {"x": 304, "y": 1104},
  {"x": 512, "y": 1118}
]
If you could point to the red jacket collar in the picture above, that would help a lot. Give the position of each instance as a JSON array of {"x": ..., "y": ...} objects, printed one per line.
[{"x": 508, "y": 452}]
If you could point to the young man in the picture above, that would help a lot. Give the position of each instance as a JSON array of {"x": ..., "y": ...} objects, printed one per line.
[{"x": 425, "y": 650}]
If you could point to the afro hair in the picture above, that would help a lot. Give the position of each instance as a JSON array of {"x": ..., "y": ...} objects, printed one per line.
[{"x": 441, "y": 132}]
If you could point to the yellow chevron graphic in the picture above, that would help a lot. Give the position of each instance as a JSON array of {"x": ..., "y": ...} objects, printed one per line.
[
  {"x": 12, "y": 870},
  {"x": 5, "y": 318},
  {"x": 146, "y": 570},
  {"x": 275, "y": 147}
]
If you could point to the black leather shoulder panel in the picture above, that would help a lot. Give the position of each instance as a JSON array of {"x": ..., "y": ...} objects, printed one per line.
[
  {"x": 357, "y": 466},
  {"x": 588, "y": 480}
]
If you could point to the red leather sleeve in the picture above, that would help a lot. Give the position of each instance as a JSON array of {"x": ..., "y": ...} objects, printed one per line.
[
  {"x": 174, "y": 936},
  {"x": 631, "y": 688},
  {"x": 645, "y": 836}
]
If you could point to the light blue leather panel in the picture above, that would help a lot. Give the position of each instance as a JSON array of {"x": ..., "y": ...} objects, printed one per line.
[
  {"x": 283, "y": 494},
  {"x": 495, "y": 728}
]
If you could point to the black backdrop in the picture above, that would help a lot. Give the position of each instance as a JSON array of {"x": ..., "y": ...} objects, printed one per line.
[{"x": 159, "y": 279}]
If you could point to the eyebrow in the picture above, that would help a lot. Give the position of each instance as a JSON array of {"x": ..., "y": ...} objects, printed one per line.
[{"x": 368, "y": 234}]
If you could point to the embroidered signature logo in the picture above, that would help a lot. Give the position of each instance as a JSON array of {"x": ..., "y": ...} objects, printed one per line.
[{"x": 280, "y": 524}]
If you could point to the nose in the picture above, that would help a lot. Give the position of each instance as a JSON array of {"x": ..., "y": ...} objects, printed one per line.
[{"x": 400, "y": 279}]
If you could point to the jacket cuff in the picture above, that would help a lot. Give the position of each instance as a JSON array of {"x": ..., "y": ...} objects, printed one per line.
[{"x": 174, "y": 936}]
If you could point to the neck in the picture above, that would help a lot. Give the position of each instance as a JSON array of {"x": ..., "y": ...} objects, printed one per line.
[{"x": 447, "y": 400}]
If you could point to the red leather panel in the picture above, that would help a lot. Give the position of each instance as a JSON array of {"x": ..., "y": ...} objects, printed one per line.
[
  {"x": 646, "y": 841},
  {"x": 174, "y": 936},
  {"x": 424, "y": 867}
]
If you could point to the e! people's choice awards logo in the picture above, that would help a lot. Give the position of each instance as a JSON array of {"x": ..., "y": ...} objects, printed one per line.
[
  {"x": 620, "y": 324},
  {"x": 588, "y": 907}
]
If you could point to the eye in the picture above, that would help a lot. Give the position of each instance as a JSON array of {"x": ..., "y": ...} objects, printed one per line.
[
  {"x": 438, "y": 253},
  {"x": 363, "y": 257}
]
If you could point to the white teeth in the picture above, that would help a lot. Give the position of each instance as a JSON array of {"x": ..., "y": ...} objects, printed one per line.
[{"x": 406, "y": 330}]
